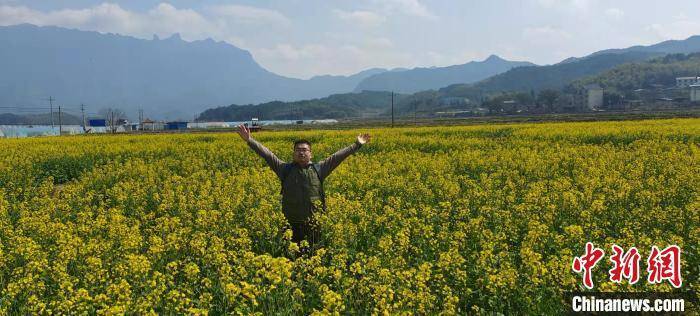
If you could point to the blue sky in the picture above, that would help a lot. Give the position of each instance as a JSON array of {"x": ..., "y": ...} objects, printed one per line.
[{"x": 305, "y": 38}]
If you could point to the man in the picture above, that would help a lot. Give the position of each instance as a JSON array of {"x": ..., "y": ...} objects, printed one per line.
[{"x": 302, "y": 181}]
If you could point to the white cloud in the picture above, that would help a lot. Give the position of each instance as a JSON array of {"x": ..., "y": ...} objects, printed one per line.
[
  {"x": 547, "y": 3},
  {"x": 362, "y": 18},
  {"x": 681, "y": 27},
  {"x": 680, "y": 16},
  {"x": 675, "y": 30},
  {"x": 406, "y": 7},
  {"x": 554, "y": 43},
  {"x": 378, "y": 43},
  {"x": 582, "y": 4},
  {"x": 165, "y": 18},
  {"x": 162, "y": 20},
  {"x": 105, "y": 17},
  {"x": 248, "y": 14},
  {"x": 293, "y": 53},
  {"x": 615, "y": 13},
  {"x": 545, "y": 33},
  {"x": 10, "y": 15},
  {"x": 574, "y": 6},
  {"x": 324, "y": 59},
  {"x": 357, "y": 55},
  {"x": 382, "y": 9}
]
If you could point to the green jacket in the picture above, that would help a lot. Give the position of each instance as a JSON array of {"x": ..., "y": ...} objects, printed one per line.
[{"x": 302, "y": 187}]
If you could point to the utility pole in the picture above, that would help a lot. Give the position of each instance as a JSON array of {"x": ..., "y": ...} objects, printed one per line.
[
  {"x": 110, "y": 119},
  {"x": 392, "y": 108},
  {"x": 82, "y": 110},
  {"x": 415, "y": 109},
  {"x": 141, "y": 119},
  {"x": 60, "y": 122},
  {"x": 51, "y": 99}
]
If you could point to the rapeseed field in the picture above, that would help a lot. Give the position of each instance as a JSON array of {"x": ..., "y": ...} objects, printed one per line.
[{"x": 425, "y": 220}]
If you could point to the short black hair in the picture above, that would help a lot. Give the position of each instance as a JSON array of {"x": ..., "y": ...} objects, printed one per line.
[{"x": 301, "y": 141}]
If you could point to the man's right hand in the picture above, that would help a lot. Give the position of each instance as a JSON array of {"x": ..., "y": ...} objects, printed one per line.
[{"x": 244, "y": 132}]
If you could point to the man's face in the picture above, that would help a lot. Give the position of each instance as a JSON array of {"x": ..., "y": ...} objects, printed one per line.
[{"x": 302, "y": 154}]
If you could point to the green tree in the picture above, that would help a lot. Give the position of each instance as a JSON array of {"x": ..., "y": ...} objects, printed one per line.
[{"x": 548, "y": 97}]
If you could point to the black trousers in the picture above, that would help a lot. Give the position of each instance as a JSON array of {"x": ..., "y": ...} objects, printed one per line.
[{"x": 308, "y": 231}]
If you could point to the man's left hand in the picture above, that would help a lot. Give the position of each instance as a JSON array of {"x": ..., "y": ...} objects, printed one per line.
[{"x": 363, "y": 138}]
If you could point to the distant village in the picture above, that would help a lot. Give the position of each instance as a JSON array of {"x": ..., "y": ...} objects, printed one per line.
[
  {"x": 591, "y": 97},
  {"x": 586, "y": 98},
  {"x": 148, "y": 125}
]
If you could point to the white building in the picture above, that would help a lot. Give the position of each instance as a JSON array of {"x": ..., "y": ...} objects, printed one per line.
[
  {"x": 208, "y": 125},
  {"x": 682, "y": 82},
  {"x": 695, "y": 93},
  {"x": 149, "y": 125},
  {"x": 594, "y": 96}
]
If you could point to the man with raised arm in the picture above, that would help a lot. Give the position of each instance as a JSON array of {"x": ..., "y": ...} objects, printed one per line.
[{"x": 302, "y": 181}]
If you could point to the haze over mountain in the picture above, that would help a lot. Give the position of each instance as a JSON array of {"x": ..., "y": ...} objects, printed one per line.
[
  {"x": 558, "y": 75},
  {"x": 419, "y": 79},
  {"x": 168, "y": 78},
  {"x": 174, "y": 79},
  {"x": 688, "y": 45}
]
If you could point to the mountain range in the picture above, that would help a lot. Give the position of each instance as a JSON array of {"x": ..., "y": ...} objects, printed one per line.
[
  {"x": 419, "y": 79},
  {"x": 175, "y": 79},
  {"x": 172, "y": 78}
]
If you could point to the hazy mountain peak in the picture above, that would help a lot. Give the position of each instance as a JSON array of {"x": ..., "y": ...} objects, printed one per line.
[
  {"x": 174, "y": 37},
  {"x": 493, "y": 58},
  {"x": 169, "y": 78}
]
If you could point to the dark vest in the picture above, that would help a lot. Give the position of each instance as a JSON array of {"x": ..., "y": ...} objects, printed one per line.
[{"x": 302, "y": 192}]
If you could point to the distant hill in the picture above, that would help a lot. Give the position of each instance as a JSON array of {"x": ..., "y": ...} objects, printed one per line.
[
  {"x": 689, "y": 45},
  {"x": 621, "y": 79},
  {"x": 645, "y": 75},
  {"x": 419, "y": 79},
  {"x": 38, "y": 119},
  {"x": 530, "y": 79},
  {"x": 338, "y": 106},
  {"x": 634, "y": 70},
  {"x": 168, "y": 78},
  {"x": 558, "y": 75}
]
